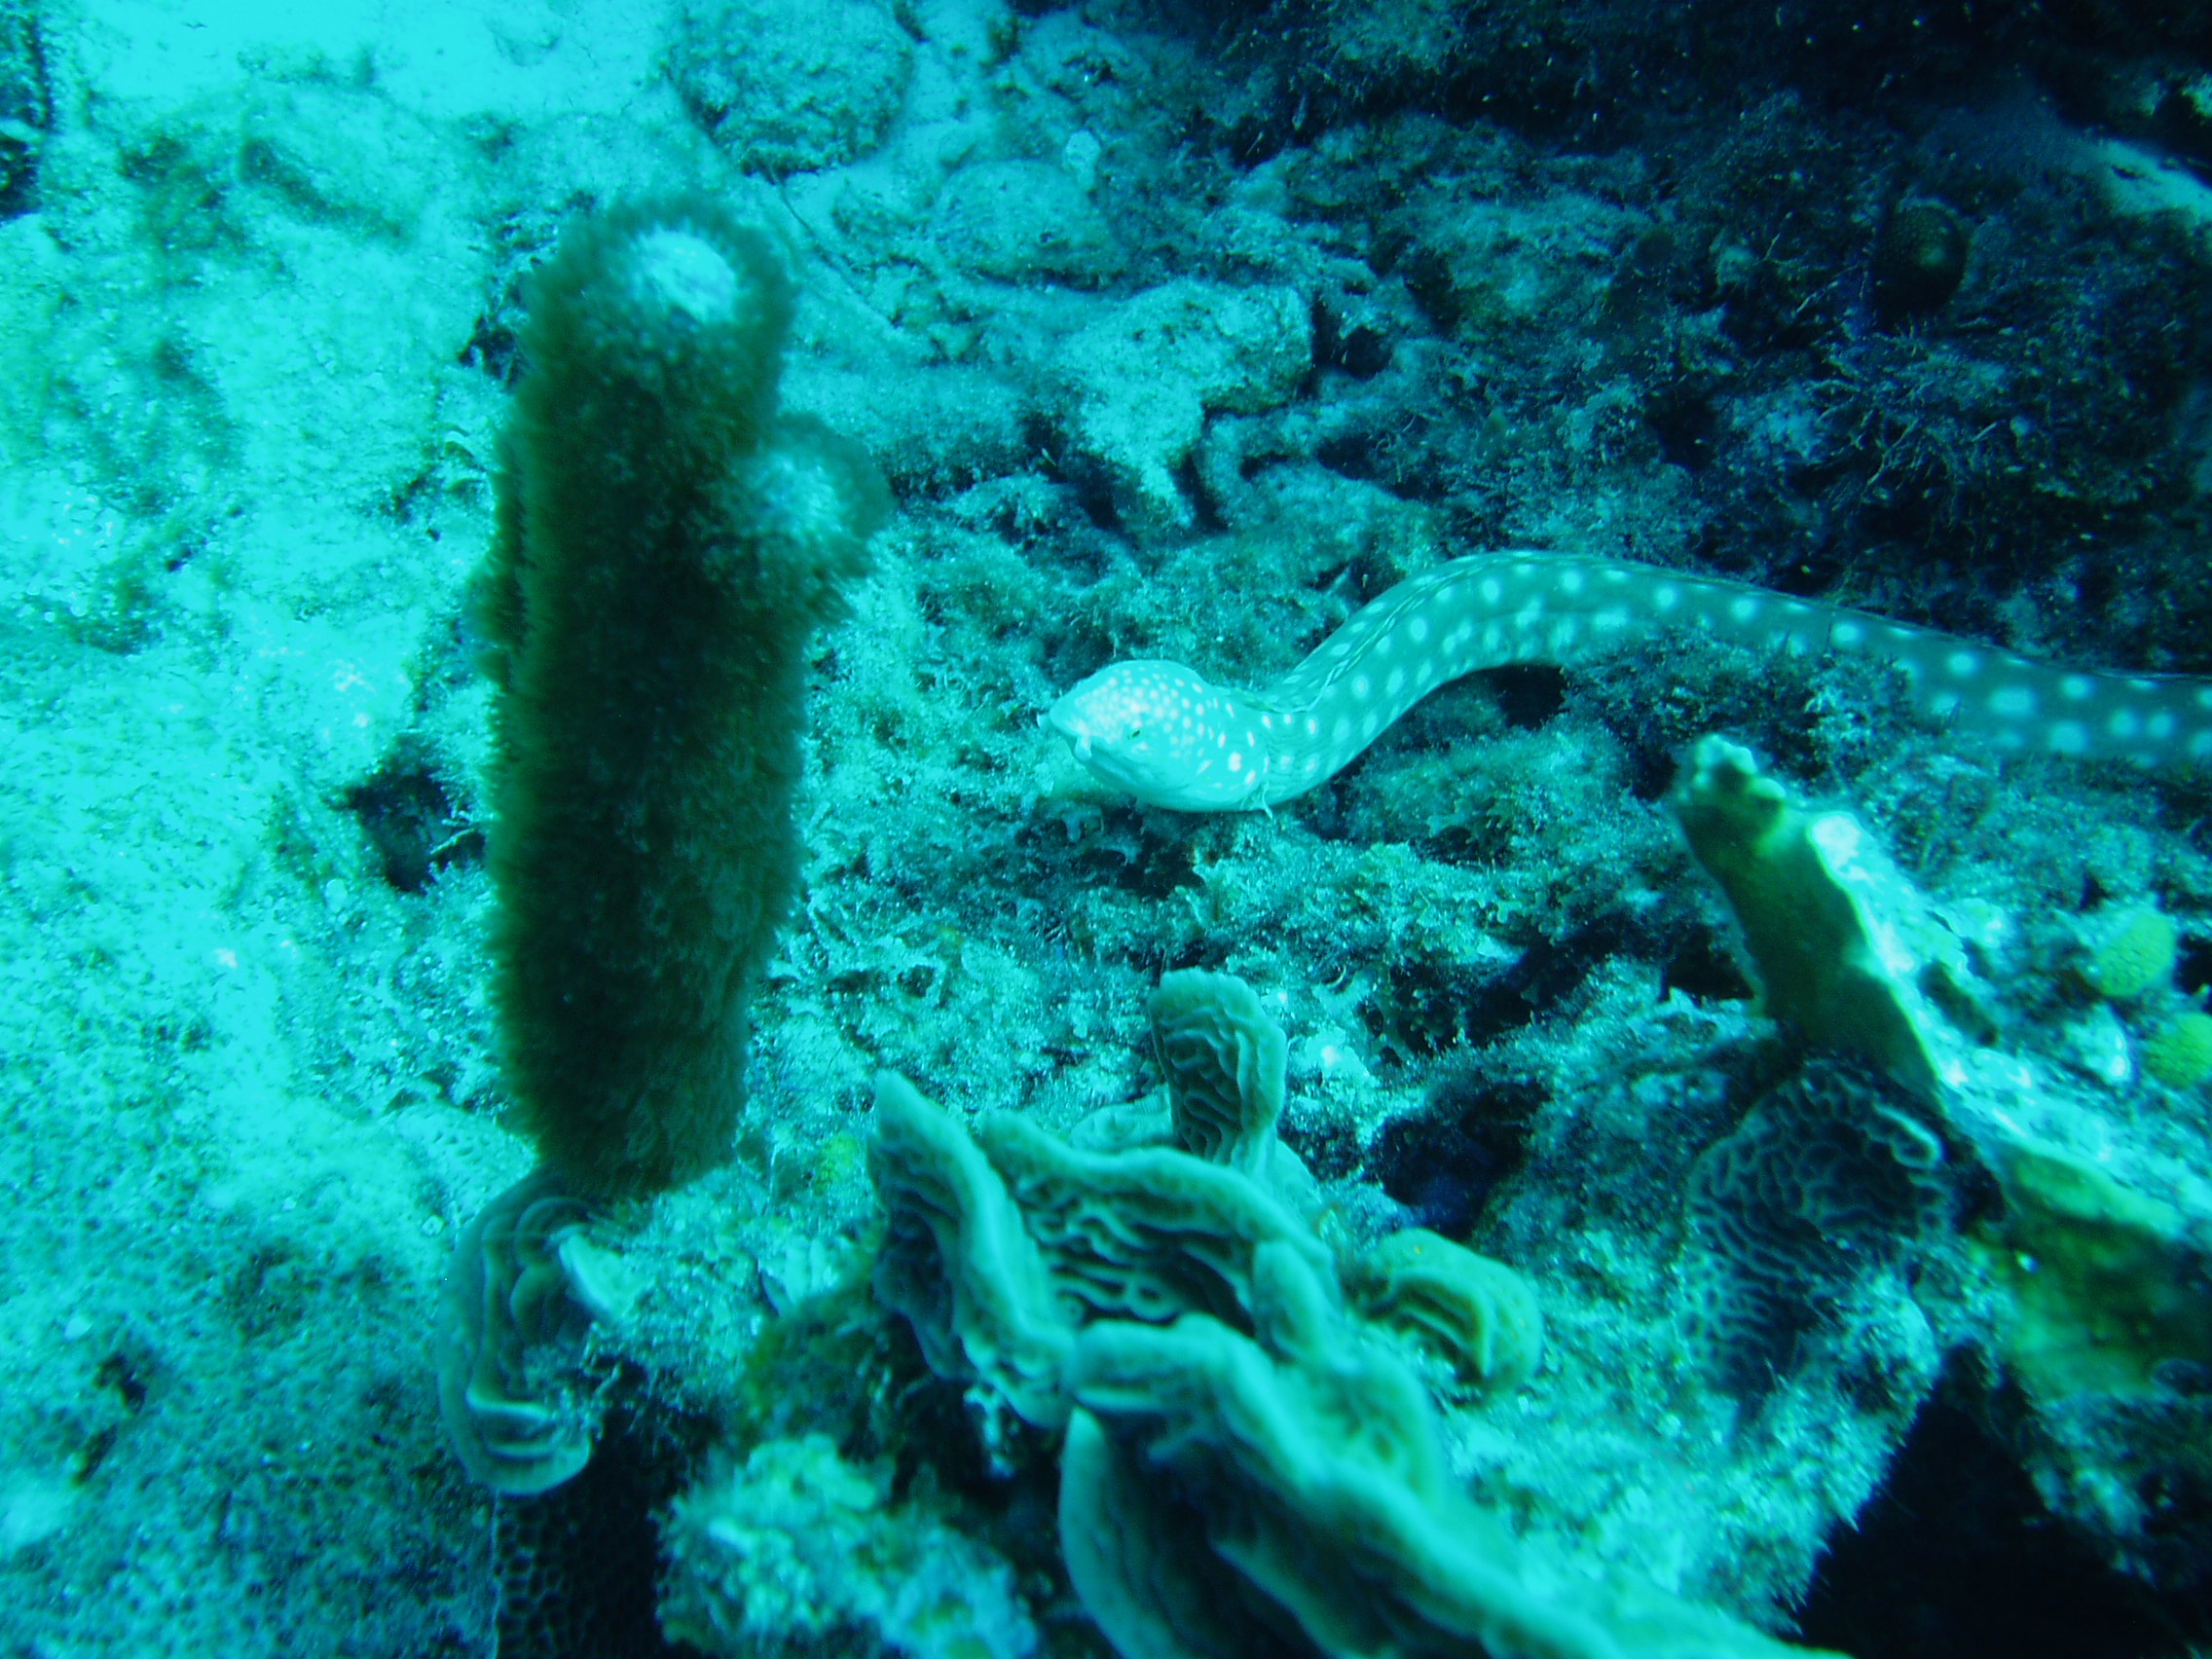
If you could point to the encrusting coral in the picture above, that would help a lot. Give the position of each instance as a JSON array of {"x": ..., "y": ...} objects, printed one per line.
[
  {"x": 2131, "y": 952},
  {"x": 2179, "y": 1053},
  {"x": 1829, "y": 1179},
  {"x": 2107, "y": 1283}
]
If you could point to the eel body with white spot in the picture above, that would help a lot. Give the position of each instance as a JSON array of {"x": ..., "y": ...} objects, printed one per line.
[{"x": 1168, "y": 736}]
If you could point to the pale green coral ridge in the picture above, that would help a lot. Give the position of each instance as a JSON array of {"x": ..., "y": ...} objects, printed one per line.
[
  {"x": 1244, "y": 1457},
  {"x": 516, "y": 1309}
]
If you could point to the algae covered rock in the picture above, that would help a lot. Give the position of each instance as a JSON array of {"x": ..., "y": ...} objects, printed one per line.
[
  {"x": 1145, "y": 378},
  {"x": 789, "y": 86},
  {"x": 795, "y": 1545},
  {"x": 1016, "y": 220}
]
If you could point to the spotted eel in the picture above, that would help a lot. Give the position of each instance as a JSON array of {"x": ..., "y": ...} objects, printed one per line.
[{"x": 1167, "y": 735}]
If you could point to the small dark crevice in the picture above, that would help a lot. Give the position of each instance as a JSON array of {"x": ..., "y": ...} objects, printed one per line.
[
  {"x": 1444, "y": 1162},
  {"x": 120, "y": 1372},
  {"x": 26, "y": 109},
  {"x": 2192, "y": 972},
  {"x": 578, "y": 1565},
  {"x": 1529, "y": 696},
  {"x": 411, "y": 823},
  {"x": 493, "y": 348},
  {"x": 1686, "y": 426},
  {"x": 1087, "y": 484},
  {"x": 1956, "y": 1557},
  {"x": 1352, "y": 455},
  {"x": 1703, "y": 970}
]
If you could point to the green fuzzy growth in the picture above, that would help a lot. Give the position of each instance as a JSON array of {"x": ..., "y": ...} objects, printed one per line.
[
  {"x": 2134, "y": 953},
  {"x": 2107, "y": 1282},
  {"x": 2178, "y": 1054},
  {"x": 667, "y": 541}
]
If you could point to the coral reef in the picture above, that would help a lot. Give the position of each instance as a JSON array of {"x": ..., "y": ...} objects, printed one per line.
[
  {"x": 1181, "y": 334},
  {"x": 1240, "y": 1457}
]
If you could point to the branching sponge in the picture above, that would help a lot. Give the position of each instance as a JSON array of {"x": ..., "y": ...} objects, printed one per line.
[{"x": 1841, "y": 941}]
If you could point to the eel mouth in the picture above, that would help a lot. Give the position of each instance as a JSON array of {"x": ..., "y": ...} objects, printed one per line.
[{"x": 1067, "y": 718}]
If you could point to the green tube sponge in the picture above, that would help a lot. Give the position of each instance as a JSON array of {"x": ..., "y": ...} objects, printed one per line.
[{"x": 666, "y": 543}]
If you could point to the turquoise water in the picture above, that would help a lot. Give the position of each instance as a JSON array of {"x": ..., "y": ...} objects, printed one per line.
[{"x": 1836, "y": 1172}]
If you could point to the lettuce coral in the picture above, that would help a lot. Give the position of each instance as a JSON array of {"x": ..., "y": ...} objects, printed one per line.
[
  {"x": 1248, "y": 1465},
  {"x": 526, "y": 1286}
]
